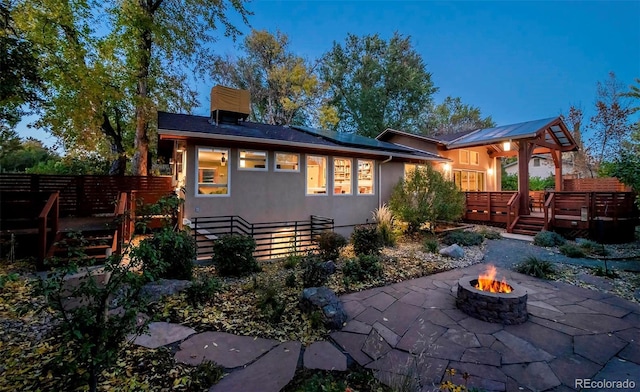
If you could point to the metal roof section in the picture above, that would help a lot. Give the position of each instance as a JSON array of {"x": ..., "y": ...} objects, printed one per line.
[
  {"x": 524, "y": 130},
  {"x": 196, "y": 126}
]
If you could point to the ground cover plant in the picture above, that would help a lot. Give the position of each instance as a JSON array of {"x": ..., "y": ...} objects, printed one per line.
[
  {"x": 548, "y": 239},
  {"x": 463, "y": 238},
  {"x": 534, "y": 266}
]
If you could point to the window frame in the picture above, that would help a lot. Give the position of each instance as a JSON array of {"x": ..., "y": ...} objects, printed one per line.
[
  {"x": 306, "y": 176},
  {"x": 227, "y": 151},
  {"x": 275, "y": 162},
  {"x": 473, "y": 162},
  {"x": 536, "y": 162},
  {"x": 478, "y": 174},
  {"x": 240, "y": 159},
  {"x": 464, "y": 153},
  {"x": 373, "y": 177},
  {"x": 350, "y": 160}
]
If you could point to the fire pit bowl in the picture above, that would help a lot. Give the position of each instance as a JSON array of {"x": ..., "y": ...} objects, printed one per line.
[{"x": 504, "y": 308}]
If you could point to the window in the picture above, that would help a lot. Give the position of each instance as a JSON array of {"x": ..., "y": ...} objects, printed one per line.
[
  {"x": 365, "y": 177},
  {"x": 469, "y": 180},
  {"x": 464, "y": 157},
  {"x": 212, "y": 171},
  {"x": 342, "y": 176},
  {"x": 475, "y": 158},
  {"x": 287, "y": 162},
  {"x": 409, "y": 167},
  {"x": 536, "y": 161},
  {"x": 316, "y": 175},
  {"x": 252, "y": 160}
]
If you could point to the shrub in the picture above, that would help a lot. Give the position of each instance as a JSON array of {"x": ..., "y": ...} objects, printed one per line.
[
  {"x": 548, "y": 239},
  {"x": 606, "y": 272},
  {"x": 205, "y": 375},
  {"x": 290, "y": 280},
  {"x": 314, "y": 273},
  {"x": 330, "y": 243},
  {"x": 269, "y": 301},
  {"x": 362, "y": 268},
  {"x": 292, "y": 261},
  {"x": 489, "y": 234},
  {"x": 176, "y": 251},
  {"x": 535, "y": 267},
  {"x": 203, "y": 289},
  {"x": 366, "y": 240},
  {"x": 233, "y": 255},
  {"x": 431, "y": 244},
  {"x": 571, "y": 250},
  {"x": 384, "y": 222},
  {"x": 425, "y": 196},
  {"x": 463, "y": 238},
  {"x": 593, "y": 247}
]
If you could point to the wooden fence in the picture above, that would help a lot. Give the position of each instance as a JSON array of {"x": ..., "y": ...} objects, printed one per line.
[
  {"x": 84, "y": 195},
  {"x": 608, "y": 184}
]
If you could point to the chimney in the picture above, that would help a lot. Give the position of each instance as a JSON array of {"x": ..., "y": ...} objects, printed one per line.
[{"x": 229, "y": 105}]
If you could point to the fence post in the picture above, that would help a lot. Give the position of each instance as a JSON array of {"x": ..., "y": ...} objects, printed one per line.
[{"x": 195, "y": 234}]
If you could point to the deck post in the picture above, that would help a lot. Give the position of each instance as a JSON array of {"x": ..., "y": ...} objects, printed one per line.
[{"x": 524, "y": 155}]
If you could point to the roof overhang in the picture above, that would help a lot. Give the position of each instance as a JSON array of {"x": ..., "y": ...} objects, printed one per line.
[{"x": 166, "y": 134}]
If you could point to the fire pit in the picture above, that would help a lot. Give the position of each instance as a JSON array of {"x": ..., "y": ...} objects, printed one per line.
[{"x": 488, "y": 299}]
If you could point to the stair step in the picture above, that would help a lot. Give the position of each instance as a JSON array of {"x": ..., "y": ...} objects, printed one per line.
[
  {"x": 525, "y": 232},
  {"x": 529, "y": 227}
]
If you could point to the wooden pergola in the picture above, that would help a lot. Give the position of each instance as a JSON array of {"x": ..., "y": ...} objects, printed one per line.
[{"x": 546, "y": 136}]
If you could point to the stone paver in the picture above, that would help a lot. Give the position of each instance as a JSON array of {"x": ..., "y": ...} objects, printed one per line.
[
  {"x": 536, "y": 376},
  {"x": 225, "y": 349},
  {"x": 161, "y": 333},
  {"x": 324, "y": 356},
  {"x": 598, "y": 348},
  {"x": 270, "y": 373}
]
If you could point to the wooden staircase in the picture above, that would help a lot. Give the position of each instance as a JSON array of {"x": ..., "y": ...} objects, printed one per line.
[
  {"x": 93, "y": 245},
  {"x": 528, "y": 225}
]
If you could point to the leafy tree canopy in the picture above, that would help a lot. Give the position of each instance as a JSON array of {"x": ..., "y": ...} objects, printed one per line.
[
  {"x": 375, "y": 84},
  {"x": 284, "y": 88},
  {"x": 452, "y": 115}
]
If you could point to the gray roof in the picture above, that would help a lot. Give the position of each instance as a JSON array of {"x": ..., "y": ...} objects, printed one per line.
[{"x": 302, "y": 136}]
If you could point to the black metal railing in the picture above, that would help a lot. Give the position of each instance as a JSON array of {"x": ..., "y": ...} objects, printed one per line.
[{"x": 273, "y": 239}]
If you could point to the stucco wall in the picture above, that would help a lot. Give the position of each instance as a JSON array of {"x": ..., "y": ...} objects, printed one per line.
[
  {"x": 487, "y": 165},
  {"x": 270, "y": 196}
]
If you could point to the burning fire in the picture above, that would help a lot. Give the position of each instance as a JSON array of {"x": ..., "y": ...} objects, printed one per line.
[{"x": 488, "y": 282}]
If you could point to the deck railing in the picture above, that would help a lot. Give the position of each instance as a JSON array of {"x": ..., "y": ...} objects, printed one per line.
[
  {"x": 48, "y": 224},
  {"x": 273, "y": 239},
  {"x": 488, "y": 206},
  {"x": 513, "y": 211}
]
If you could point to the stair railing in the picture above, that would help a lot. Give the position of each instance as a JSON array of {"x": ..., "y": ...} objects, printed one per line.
[
  {"x": 123, "y": 233},
  {"x": 48, "y": 216},
  {"x": 549, "y": 204},
  {"x": 513, "y": 209}
]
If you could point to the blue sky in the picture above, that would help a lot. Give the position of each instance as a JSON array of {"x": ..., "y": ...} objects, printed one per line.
[{"x": 517, "y": 61}]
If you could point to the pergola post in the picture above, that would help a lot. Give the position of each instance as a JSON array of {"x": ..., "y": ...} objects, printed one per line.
[
  {"x": 524, "y": 155},
  {"x": 557, "y": 161}
]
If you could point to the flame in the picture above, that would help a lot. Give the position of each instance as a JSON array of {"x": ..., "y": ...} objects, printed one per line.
[{"x": 488, "y": 282}]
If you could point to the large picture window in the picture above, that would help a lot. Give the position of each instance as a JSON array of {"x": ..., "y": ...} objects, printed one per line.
[
  {"x": 469, "y": 180},
  {"x": 365, "y": 177},
  {"x": 342, "y": 176},
  {"x": 316, "y": 175},
  {"x": 212, "y": 171},
  {"x": 409, "y": 167},
  {"x": 287, "y": 162},
  {"x": 252, "y": 160}
]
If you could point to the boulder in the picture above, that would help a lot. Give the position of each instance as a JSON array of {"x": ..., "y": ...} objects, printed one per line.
[
  {"x": 329, "y": 267},
  {"x": 154, "y": 291},
  {"x": 454, "y": 251},
  {"x": 325, "y": 301}
]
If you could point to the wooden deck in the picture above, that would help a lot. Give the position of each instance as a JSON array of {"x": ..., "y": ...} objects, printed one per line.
[{"x": 602, "y": 216}]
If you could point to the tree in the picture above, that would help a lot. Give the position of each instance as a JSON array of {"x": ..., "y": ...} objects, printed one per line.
[
  {"x": 284, "y": 88},
  {"x": 453, "y": 116},
  {"x": 375, "y": 84},
  {"x": 425, "y": 196},
  {"x": 20, "y": 82},
  {"x": 611, "y": 124},
  {"x": 30, "y": 152},
  {"x": 581, "y": 161}
]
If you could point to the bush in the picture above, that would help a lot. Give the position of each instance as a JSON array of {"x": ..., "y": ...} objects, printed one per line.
[
  {"x": 362, "y": 268},
  {"x": 174, "y": 254},
  {"x": 571, "y": 250},
  {"x": 425, "y": 196},
  {"x": 463, "y": 238},
  {"x": 606, "y": 272},
  {"x": 270, "y": 303},
  {"x": 593, "y": 247},
  {"x": 205, "y": 375},
  {"x": 314, "y": 273},
  {"x": 489, "y": 234},
  {"x": 535, "y": 267},
  {"x": 366, "y": 240},
  {"x": 384, "y": 223},
  {"x": 548, "y": 239},
  {"x": 233, "y": 255},
  {"x": 330, "y": 243},
  {"x": 203, "y": 289},
  {"x": 290, "y": 280},
  {"x": 431, "y": 244},
  {"x": 292, "y": 261}
]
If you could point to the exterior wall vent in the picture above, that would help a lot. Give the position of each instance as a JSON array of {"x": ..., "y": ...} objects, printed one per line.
[{"x": 229, "y": 105}]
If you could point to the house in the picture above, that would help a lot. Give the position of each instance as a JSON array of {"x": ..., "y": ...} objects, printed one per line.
[
  {"x": 542, "y": 166},
  {"x": 227, "y": 166}
]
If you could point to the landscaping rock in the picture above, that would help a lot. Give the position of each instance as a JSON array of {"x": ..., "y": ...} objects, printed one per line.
[
  {"x": 160, "y": 288},
  {"x": 324, "y": 356},
  {"x": 454, "y": 251},
  {"x": 161, "y": 333},
  {"x": 324, "y": 300},
  {"x": 329, "y": 267},
  {"x": 270, "y": 373}
]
